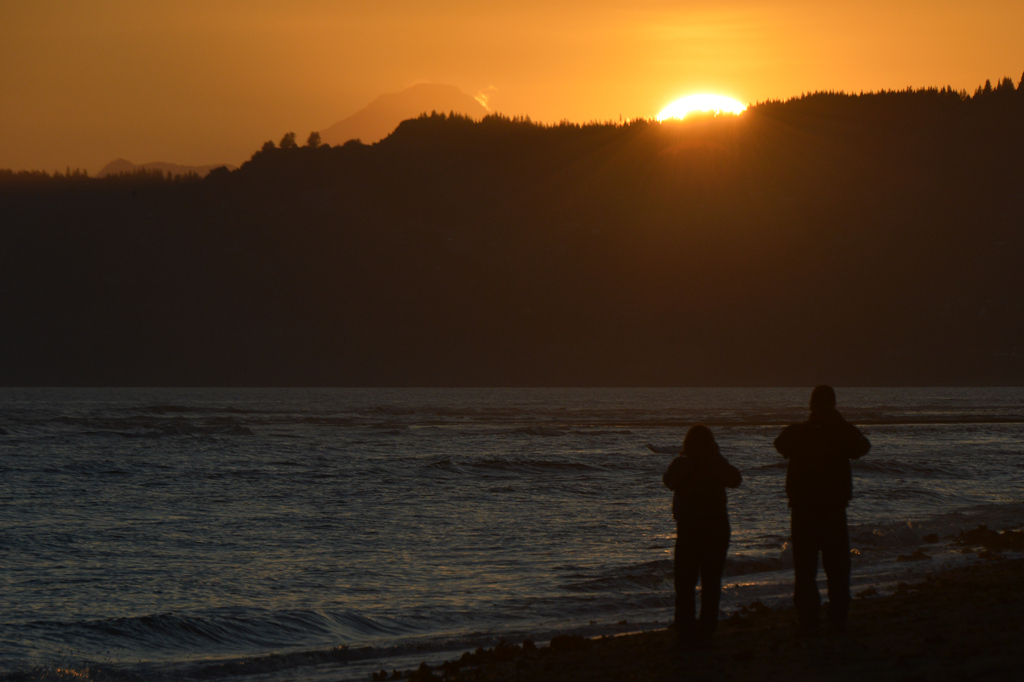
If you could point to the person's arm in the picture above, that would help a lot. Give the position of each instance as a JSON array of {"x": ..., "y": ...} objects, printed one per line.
[
  {"x": 674, "y": 474},
  {"x": 731, "y": 477},
  {"x": 857, "y": 443},
  {"x": 785, "y": 441}
]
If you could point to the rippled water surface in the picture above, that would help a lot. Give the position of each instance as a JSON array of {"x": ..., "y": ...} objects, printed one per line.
[{"x": 164, "y": 531}]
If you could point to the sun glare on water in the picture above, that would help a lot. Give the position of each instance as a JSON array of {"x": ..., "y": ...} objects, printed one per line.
[{"x": 718, "y": 104}]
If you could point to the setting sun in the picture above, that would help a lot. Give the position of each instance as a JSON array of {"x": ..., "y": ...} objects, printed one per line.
[{"x": 707, "y": 103}]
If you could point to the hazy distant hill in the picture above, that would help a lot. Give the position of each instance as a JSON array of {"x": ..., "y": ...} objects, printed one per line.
[
  {"x": 383, "y": 114},
  {"x": 857, "y": 240},
  {"x": 123, "y": 166}
]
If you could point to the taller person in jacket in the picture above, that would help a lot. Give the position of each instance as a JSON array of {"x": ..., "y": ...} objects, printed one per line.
[
  {"x": 698, "y": 477},
  {"x": 819, "y": 486}
]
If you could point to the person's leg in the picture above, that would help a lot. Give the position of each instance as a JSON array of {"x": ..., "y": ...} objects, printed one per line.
[
  {"x": 712, "y": 565},
  {"x": 686, "y": 571},
  {"x": 804, "y": 528},
  {"x": 835, "y": 557}
]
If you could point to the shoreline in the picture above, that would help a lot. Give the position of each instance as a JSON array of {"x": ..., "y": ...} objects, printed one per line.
[
  {"x": 941, "y": 622},
  {"x": 958, "y": 623}
]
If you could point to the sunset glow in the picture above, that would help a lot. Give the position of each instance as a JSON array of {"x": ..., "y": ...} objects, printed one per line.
[
  {"x": 718, "y": 104},
  {"x": 210, "y": 82}
]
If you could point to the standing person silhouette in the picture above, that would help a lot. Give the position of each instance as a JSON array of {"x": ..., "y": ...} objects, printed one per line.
[
  {"x": 698, "y": 478},
  {"x": 819, "y": 485}
]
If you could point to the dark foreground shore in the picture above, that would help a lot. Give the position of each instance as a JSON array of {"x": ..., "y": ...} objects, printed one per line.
[{"x": 961, "y": 624}]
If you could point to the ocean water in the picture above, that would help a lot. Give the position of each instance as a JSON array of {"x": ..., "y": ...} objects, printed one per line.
[{"x": 273, "y": 534}]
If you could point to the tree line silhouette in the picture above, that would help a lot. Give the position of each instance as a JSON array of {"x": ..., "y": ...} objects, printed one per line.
[{"x": 861, "y": 239}]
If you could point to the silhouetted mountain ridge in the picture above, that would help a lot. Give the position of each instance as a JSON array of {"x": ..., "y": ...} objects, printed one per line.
[
  {"x": 381, "y": 116},
  {"x": 123, "y": 166},
  {"x": 852, "y": 239}
]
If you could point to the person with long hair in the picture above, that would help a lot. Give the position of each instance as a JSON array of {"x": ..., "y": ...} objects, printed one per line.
[{"x": 698, "y": 478}]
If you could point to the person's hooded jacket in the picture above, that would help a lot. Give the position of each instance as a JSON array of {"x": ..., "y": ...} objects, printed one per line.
[
  {"x": 819, "y": 451},
  {"x": 698, "y": 481}
]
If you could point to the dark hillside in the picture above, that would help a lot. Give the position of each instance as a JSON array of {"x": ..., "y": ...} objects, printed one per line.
[{"x": 870, "y": 239}]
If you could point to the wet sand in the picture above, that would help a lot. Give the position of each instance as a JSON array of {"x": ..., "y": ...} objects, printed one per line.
[{"x": 960, "y": 624}]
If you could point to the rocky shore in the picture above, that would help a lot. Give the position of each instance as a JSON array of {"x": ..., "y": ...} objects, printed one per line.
[{"x": 959, "y": 624}]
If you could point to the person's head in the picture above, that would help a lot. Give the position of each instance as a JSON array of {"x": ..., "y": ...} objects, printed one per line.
[
  {"x": 823, "y": 400},
  {"x": 699, "y": 442}
]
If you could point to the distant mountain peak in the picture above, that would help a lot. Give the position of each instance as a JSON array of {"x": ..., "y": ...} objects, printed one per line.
[{"x": 381, "y": 116}]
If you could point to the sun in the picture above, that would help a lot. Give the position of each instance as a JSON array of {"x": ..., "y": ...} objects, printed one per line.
[{"x": 718, "y": 104}]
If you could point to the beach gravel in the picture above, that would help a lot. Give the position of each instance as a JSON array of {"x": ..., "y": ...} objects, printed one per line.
[{"x": 960, "y": 624}]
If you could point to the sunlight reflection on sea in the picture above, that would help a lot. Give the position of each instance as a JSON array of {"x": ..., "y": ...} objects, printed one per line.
[{"x": 178, "y": 527}]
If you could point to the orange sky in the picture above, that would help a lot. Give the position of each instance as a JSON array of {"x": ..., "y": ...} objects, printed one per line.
[{"x": 83, "y": 82}]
